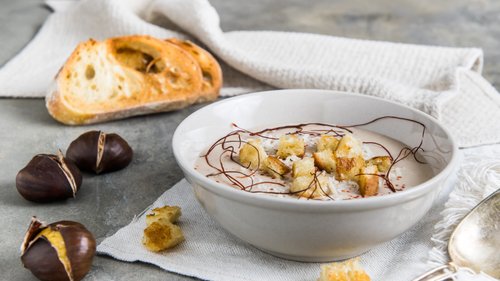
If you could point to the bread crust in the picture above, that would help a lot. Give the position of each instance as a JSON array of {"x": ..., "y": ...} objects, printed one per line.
[
  {"x": 212, "y": 73},
  {"x": 122, "y": 77}
]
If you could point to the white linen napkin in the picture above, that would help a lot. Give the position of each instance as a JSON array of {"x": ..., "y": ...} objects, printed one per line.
[
  {"x": 444, "y": 82},
  {"x": 478, "y": 177},
  {"x": 231, "y": 259},
  {"x": 403, "y": 258}
]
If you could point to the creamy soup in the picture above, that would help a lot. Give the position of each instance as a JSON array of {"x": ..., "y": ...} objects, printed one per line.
[{"x": 313, "y": 162}]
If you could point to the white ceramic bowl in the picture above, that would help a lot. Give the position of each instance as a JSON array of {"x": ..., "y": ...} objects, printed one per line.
[{"x": 307, "y": 230}]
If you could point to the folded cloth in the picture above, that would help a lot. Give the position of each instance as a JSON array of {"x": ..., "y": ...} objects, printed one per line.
[
  {"x": 444, "y": 82},
  {"x": 232, "y": 259},
  {"x": 403, "y": 258},
  {"x": 478, "y": 178}
]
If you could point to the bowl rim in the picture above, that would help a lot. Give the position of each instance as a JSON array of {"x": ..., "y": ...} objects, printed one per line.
[{"x": 279, "y": 202}]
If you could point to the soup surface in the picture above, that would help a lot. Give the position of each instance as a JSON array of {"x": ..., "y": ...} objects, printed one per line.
[{"x": 313, "y": 162}]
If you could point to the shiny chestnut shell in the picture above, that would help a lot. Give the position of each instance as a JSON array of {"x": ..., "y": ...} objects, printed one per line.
[
  {"x": 48, "y": 178},
  {"x": 97, "y": 152},
  {"x": 41, "y": 257}
]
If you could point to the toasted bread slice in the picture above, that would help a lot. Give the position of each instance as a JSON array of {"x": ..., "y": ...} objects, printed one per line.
[
  {"x": 210, "y": 68},
  {"x": 124, "y": 76}
]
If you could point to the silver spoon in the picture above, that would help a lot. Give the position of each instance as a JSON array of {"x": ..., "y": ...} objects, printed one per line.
[{"x": 474, "y": 244}]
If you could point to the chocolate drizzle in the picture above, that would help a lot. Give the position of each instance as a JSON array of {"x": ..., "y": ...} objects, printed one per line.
[{"x": 233, "y": 141}]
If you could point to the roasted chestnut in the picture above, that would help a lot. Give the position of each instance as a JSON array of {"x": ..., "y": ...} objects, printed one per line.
[
  {"x": 48, "y": 178},
  {"x": 62, "y": 250},
  {"x": 98, "y": 152}
]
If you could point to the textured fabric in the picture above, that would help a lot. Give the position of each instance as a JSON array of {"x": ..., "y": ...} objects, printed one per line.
[
  {"x": 444, "y": 82},
  {"x": 477, "y": 179},
  {"x": 231, "y": 259},
  {"x": 403, "y": 258}
]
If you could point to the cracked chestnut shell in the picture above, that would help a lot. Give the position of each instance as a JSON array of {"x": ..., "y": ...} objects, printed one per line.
[
  {"x": 48, "y": 178},
  {"x": 60, "y": 251},
  {"x": 98, "y": 152}
]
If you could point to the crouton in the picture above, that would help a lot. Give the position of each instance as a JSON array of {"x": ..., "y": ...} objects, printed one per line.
[
  {"x": 164, "y": 214},
  {"x": 349, "y": 158},
  {"x": 348, "y": 168},
  {"x": 368, "y": 181},
  {"x": 161, "y": 236},
  {"x": 160, "y": 233},
  {"x": 309, "y": 187},
  {"x": 327, "y": 142},
  {"x": 349, "y": 147},
  {"x": 382, "y": 162},
  {"x": 349, "y": 270},
  {"x": 252, "y": 154},
  {"x": 303, "y": 167},
  {"x": 275, "y": 168},
  {"x": 325, "y": 160},
  {"x": 290, "y": 145}
]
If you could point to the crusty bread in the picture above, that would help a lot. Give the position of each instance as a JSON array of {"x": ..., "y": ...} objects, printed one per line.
[
  {"x": 125, "y": 76},
  {"x": 210, "y": 68}
]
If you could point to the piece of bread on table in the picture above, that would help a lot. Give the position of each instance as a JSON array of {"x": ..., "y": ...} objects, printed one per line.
[
  {"x": 210, "y": 68},
  {"x": 122, "y": 77},
  {"x": 349, "y": 270}
]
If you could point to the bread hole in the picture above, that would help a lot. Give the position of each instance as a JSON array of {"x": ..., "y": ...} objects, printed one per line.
[
  {"x": 207, "y": 77},
  {"x": 139, "y": 60},
  {"x": 173, "y": 79},
  {"x": 93, "y": 87},
  {"x": 89, "y": 72}
]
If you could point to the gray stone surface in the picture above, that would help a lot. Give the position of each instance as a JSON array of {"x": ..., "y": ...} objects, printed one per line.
[{"x": 108, "y": 202}]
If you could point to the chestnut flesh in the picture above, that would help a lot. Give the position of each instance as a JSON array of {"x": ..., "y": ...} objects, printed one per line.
[
  {"x": 98, "y": 152},
  {"x": 60, "y": 251},
  {"x": 48, "y": 178}
]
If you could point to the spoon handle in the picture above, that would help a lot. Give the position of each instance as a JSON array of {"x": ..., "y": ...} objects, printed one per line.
[{"x": 438, "y": 274}]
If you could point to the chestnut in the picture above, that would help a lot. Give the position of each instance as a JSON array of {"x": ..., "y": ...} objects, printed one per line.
[
  {"x": 48, "y": 178},
  {"x": 62, "y": 250},
  {"x": 98, "y": 152}
]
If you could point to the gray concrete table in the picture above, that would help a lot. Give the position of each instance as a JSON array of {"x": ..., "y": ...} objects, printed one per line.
[{"x": 107, "y": 202}]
